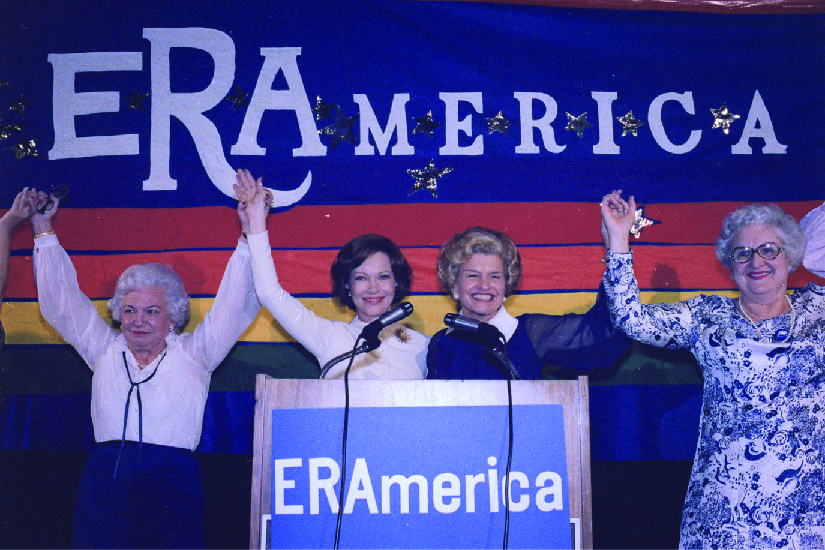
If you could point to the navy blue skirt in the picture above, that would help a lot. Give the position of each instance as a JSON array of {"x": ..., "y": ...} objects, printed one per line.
[{"x": 155, "y": 501}]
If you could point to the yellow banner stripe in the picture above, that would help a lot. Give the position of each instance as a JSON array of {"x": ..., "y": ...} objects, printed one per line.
[{"x": 24, "y": 324}]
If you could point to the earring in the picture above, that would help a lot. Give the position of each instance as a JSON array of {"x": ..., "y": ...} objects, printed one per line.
[{"x": 171, "y": 328}]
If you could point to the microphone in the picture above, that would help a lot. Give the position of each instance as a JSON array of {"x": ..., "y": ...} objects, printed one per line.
[
  {"x": 497, "y": 342},
  {"x": 402, "y": 310},
  {"x": 459, "y": 322}
]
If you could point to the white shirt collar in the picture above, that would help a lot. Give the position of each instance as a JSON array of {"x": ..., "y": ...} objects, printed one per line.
[{"x": 504, "y": 322}]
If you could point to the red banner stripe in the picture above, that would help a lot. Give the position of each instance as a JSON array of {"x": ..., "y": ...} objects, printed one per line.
[
  {"x": 554, "y": 268},
  {"x": 306, "y": 227}
]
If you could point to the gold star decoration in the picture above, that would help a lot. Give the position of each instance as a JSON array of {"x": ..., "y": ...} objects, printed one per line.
[
  {"x": 428, "y": 178},
  {"x": 238, "y": 99},
  {"x": 6, "y": 130},
  {"x": 426, "y": 124},
  {"x": 26, "y": 148},
  {"x": 723, "y": 118},
  {"x": 19, "y": 106},
  {"x": 498, "y": 124},
  {"x": 323, "y": 110},
  {"x": 629, "y": 124},
  {"x": 135, "y": 101},
  {"x": 640, "y": 222},
  {"x": 578, "y": 124},
  {"x": 340, "y": 130}
]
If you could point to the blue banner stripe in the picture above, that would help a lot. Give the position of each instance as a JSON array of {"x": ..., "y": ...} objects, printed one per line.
[
  {"x": 644, "y": 422},
  {"x": 633, "y": 422},
  {"x": 461, "y": 61}
]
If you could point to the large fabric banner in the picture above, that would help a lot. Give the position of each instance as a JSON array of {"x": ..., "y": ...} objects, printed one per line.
[{"x": 407, "y": 118}]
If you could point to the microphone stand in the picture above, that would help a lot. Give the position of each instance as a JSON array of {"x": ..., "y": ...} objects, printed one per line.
[
  {"x": 493, "y": 340},
  {"x": 369, "y": 345},
  {"x": 371, "y": 342},
  {"x": 370, "y": 333},
  {"x": 366, "y": 347},
  {"x": 499, "y": 351}
]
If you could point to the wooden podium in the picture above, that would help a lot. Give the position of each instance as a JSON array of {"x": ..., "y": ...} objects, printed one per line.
[{"x": 295, "y": 394}]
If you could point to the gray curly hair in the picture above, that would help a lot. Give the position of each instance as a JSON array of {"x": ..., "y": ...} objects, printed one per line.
[
  {"x": 479, "y": 240},
  {"x": 785, "y": 226},
  {"x": 156, "y": 276}
]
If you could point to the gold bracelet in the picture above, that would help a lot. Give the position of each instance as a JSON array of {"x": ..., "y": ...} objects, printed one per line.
[{"x": 38, "y": 235}]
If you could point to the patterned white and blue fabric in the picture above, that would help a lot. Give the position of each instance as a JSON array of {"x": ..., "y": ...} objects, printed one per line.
[{"x": 757, "y": 478}]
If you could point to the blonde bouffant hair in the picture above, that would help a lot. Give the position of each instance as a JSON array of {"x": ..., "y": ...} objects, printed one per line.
[{"x": 479, "y": 240}]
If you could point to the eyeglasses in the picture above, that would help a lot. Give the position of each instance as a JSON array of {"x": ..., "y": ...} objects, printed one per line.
[{"x": 743, "y": 254}]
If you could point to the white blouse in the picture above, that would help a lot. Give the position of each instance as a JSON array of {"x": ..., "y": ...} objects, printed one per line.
[
  {"x": 175, "y": 397},
  {"x": 401, "y": 356}
]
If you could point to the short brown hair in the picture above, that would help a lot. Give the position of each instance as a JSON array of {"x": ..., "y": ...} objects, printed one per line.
[{"x": 355, "y": 252}]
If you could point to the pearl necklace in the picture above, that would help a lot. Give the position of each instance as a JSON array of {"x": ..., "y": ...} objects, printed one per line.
[
  {"x": 762, "y": 337},
  {"x": 142, "y": 366}
]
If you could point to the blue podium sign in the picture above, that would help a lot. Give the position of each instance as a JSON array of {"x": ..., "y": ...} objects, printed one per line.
[{"x": 419, "y": 477}]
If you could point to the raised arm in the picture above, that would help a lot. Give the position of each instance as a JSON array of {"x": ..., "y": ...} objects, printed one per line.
[
  {"x": 813, "y": 225},
  {"x": 62, "y": 303},
  {"x": 662, "y": 325},
  {"x": 19, "y": 211},
  {"x": 235, "y": 308},
  {"x": 578, "y": 341},
  {"x": 617, "y": 219},
  {"x": 313, "y": 332},
  {"x": 585, "y": 341}
]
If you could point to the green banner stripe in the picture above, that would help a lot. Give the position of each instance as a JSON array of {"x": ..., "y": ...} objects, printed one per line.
[{"x": 59, "y": 369}]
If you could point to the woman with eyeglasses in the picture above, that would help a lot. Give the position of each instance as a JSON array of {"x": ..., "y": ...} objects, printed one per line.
[{"x": 758, "y": 478}]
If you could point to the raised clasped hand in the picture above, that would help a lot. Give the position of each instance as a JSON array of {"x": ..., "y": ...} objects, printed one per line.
[
  {"x": 254, "y": 200},
  {"x": 618, "y": 216},
  {"x": 616, "y": 212},
  {"x": 43, "y": 207},
  {"x": 21, "y": 209}
]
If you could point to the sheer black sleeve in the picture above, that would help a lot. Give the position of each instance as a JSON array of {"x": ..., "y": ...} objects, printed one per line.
[{"x": 577, "y": 341}]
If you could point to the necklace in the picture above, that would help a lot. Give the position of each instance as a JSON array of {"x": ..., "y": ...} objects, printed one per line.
[
  {"x": 142, "y": 365},
  {"x": 781, "y": 335}
]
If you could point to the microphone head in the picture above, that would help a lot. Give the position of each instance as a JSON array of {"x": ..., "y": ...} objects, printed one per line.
[
  {"x": 456, "y": 321},
  {"x": 402, "y": 310},
  {"x": 459, "y": 322},
  {"x": 370, "y": 332}
]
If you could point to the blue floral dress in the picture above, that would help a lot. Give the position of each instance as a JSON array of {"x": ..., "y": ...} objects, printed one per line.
[{"x": 757, "y": 478}]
